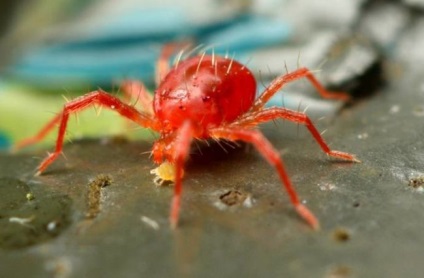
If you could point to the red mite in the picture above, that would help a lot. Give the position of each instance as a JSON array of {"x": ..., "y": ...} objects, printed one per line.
[{"x": 201, "y": 97}]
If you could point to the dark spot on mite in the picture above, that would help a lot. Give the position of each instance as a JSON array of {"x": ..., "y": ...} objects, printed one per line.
[
  {"x": 341, "y": 235},
  {"x": 95, "y": 193},
  {"x": 206, "y": 98},
  {"x": 233, "y": 197}
]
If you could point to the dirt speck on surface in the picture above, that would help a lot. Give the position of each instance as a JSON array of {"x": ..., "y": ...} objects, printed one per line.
[
  {"x": 60, "y": 267},
  {"x": 341, "y": 235},
  {"x": 417, "y": 182},
  {"x": 339, "y": 271},
  {"x": 233, "y": 197},
  {"x": 418, "y": 111},
  {"x": 95, "y": 193}
]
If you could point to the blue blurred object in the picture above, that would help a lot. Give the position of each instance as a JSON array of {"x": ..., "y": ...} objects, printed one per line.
[
  {"x": 128, "y": 45},
  {"x": 77, "y": 46},
  {"x": 5, "y": 142}
]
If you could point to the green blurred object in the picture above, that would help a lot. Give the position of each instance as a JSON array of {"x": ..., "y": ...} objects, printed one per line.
[{"x": 24, "y": 112}]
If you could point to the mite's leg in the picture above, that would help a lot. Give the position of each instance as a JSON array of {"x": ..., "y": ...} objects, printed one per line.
[
  {"x": 280, "y": 81},
  {"x": 181, "y": 151},
  {"x": 80, "y": 103},
  {"x": 254, "y": 118},
  {"x": 39, "y": 136},
  {"x": 136, "y": 91},
  {"x": 271, "y": 155}
]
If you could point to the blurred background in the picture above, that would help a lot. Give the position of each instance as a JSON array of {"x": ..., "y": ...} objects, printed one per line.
[{"x": 67, "y": 48}]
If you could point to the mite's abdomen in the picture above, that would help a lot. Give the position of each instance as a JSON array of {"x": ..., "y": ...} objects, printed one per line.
[{"x": 206, "y": 91}]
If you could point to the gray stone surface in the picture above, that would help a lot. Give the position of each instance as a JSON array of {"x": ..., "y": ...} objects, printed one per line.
[{"x": 372, "y": 219}]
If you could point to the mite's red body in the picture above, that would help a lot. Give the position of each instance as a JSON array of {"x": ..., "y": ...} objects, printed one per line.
[
  {"x": 201, "y": 97},
  {"x": 208, "y": 93}
]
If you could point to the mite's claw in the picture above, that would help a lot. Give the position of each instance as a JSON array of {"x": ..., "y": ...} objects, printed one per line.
[
  {"x": 306, "y": 214},
  {"x": 175, "y": 212},
  {"x": 344, "y": 156},
  {"x": 356, "y": 160}
]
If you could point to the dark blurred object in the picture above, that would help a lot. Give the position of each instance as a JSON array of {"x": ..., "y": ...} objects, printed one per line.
[
  {"x": 8, "y": 9},
  {"x": 355, "y": 66},
  {"x": 342, "y": 62},
  {"x": 22, "y": 22},
  {"x": 419, "y": 4}
]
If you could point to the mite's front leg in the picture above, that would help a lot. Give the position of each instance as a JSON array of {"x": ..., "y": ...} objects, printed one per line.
[
  {"x": 181, "y": 151},
  {"x": 96, "y": 97}
]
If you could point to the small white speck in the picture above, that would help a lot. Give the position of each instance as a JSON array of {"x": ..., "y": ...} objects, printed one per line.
[
  {"x": 394, "y": 109},
  {"x": 21, "y": 221},
  {"x": 29, "y": 196},
  {"x": 150, "y": 222},
  {"x": 51, "y": 226},
  {"x": 304, "y": 202},
  {"x": 220, "y": 205},
  {"x": 326, "y": 186},
  {"x": 248, "y": 202},
  {"x": 112, "y": 106},
  {"x": 363, "y": 136},
  {"x": 34, "y": 182}
]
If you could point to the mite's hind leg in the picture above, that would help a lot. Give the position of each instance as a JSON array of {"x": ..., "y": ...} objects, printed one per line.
[
  {"x": 279, "y": 82},
  {"x": 273, "y": 113},
  {"x": 272, "y": 156}
]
